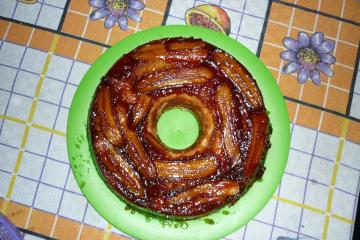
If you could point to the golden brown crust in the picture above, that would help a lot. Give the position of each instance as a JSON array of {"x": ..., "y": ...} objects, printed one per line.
[{"x": 183, "y": 100}]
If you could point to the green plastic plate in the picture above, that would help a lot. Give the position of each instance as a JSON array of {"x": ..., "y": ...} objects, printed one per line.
[{"x": 143, "y": 226}]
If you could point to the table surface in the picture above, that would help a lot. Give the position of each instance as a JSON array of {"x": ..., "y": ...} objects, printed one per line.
[{"x": 46, "y": 46}]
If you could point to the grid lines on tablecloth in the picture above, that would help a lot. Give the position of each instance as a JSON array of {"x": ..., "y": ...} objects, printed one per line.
[
  {"x": 34, "y": 188},
  {"x": 271, "y": 35},
  {"x": 247, "y": 17},
  {"x": 306, "y": 121},
  {"x": 76, "y": 21},
  {"x": 335, "y": 91},
  {"x": 13, "y": 186},
  {"x": 60, "y": 169},
  {"x": 44, "y": 13},
  {"x": 340, "y": 86},
  {"x": 331, "y": 7},
  {"x": 355, "y": 101},
  {"x": 258, "y": 222}
]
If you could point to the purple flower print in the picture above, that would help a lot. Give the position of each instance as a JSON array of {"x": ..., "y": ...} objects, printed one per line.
[
  {"x": 309, "y": 56},
  {"x": 116, "y": 11}
]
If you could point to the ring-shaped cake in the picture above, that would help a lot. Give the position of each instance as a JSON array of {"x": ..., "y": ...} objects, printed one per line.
[{"x": 225, "y": 159}]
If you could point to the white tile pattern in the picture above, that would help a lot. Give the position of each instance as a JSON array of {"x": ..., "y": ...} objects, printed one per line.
[
  {"x": 44, "y": 13},
  {"x": 45, "y": 182},
  {"x": 247, "y": 17}
]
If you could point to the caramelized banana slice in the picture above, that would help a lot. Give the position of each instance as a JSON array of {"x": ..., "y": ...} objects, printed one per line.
[
  {"x": 190, "y": 208},
  {"x": 151, "y": 47},
  {"x": 177, "y": 184},
  {"x": 108, "y": 124},
  {"x": 159, "y": 51},
  {"x": 193, "y": 56},
  {"x": 140, "y": 109},
  {"x": 191, "y": 44},
  {"x": 179, "y": 100},
  {"x": 134, "y": 148},
  {"x": 204, "y": 196},
  {"x": 175, "y": 78},
  {"x": 127, "y": 95},
  {"x": 188, "y": 170},
  {"x": 258, "y": 143},
  {"x": 152, "y": 67},
  {"x": 201, "y": 201},
  {"x": 226, "y": 109},
  {"x": 147, "y": 68},
  {"x": 223, "y": 188},
  {"x": 240, "y": 77},
  {"x": 122, "y": 90},
  {"x": 150, "y": 52},
  {"x": 118, "y": 166},
  {"x": 216, "y": 144}
]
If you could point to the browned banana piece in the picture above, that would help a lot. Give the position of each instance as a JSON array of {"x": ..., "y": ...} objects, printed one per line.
[
  {"x": 216, "y": 144},
  {"x": 134, "y": 148},
  {"x": 122, "y": 90},
  {"x": 160, "y": 52},
  {"x": 245, "y": 124},
  {"x": 140, "y": 109},
  {"x": 200, "y": 203},
  {"x": 174, "y": 78},
  {"x": 226, "y": 107},
  {"x": 193, "y": 56},
  {"x": 177, "y": 184},
  {"x": 114, "y": 163},
  {"x": 258, "y": 143},
  {"x": 190, "y": 208},
  {"x": 150, "y": 55},
  {"x": 185, "y": 45},
  {"x": 240, "y": 77},
  {"x": 146, "y": 68},
  {"x": 108, "y": 124},
  {"x": 150, "y": 52},
  {"x": 193, "y": 169},
  {"x": 127, "y": 95},
  {"x": 151, "y": 47},
  {"x": 152, "y": 67},
  {"x": 219, "y": 188}
]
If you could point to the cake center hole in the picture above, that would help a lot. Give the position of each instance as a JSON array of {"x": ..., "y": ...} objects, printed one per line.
[{"x": 178, "y": 128}]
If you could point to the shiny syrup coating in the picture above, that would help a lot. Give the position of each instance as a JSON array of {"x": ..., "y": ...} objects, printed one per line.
[{"x": 189, "y": 73}]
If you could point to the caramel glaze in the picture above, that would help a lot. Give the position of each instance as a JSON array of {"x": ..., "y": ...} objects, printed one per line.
[{"x": 191, "y": 182}]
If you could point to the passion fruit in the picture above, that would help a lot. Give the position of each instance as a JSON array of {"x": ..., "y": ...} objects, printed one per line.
[
  {"x": 209, "y": 16},
  {"x": 28, "y": 1}
]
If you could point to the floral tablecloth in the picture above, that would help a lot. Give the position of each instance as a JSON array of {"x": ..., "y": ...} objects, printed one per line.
[{"x": 310, "y": 46}]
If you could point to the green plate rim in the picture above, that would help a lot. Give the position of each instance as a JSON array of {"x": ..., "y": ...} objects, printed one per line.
[{"x": 216, "y": 225}]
